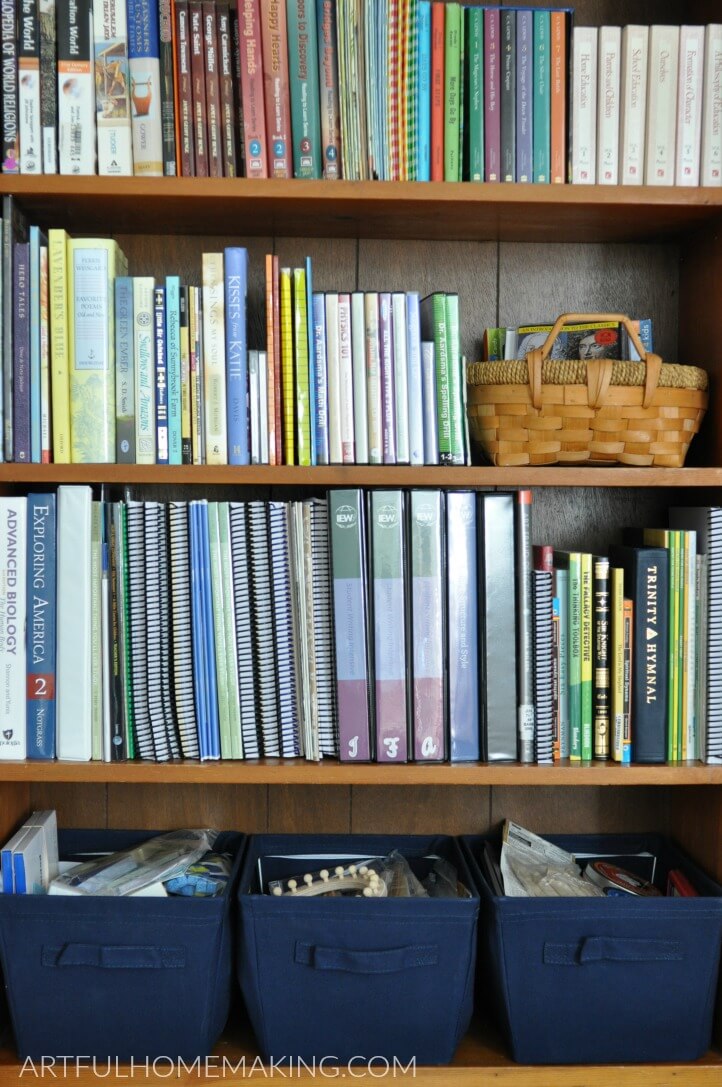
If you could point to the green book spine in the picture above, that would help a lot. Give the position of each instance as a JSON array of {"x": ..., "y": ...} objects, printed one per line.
[
  {"x": 300, "y": 351},
  {"x": 587, "y": 680},
  {"x": 452, "y": 70},
  {"x": 462, "y": 96},
  {"x": 673, "y": 717},
  {"x": 680, "y": 645},
  {"x": 456, "y": 393},
  {"x": 542, "y": 98},
  {"x": 434, "y": 330},
  {"x": 474, "y": 79},
  {"x": 304, "y": 88},
  {"x": 219, "y": 631},
  {"x": 575, "y": 655},
  {"x": 127, "y": 670},
  {"x": 231, "y": 663},
  {"x": 412, "y": 93}
]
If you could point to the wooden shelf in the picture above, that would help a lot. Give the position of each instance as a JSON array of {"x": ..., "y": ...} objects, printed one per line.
[
  {"x": 358, "y": 475},
  {"x": 373, "y": 209},
  {"x": 301, "y": 772}
]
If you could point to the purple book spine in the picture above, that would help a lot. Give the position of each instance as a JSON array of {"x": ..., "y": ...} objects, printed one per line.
[
  {"x": 389, "y": 595},
  {"x": 21, "y": 353},
  {"x": 492, "y": 119},
  {"x": 524, "y": 138},
  {"x": 388, "y": 399}
]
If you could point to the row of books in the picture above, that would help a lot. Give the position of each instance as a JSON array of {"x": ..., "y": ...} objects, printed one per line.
[
  {"x": 99, "y": 366},
  {"x": 578, "y": 340},
  {"x": 646, "y": 105}
]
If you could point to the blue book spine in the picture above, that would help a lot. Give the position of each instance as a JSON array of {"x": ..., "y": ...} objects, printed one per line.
[
  {"x": 199, "y": 686},
  {"x": 161, "y": 377},
  {"x": 311, "y": 359},
  {"x": 524, "y": 95},
  {"x": 124, "y": 372},
  {"x": 423, "y": 113},
  {"x": 462, "y": 603},
  {"x": 235, "y": 267},
  {"x": 21, "y": 353},
  {"x": 7, "y": 871},
  {"x": 41, "y": 627},
  {"x": 415, "y": 381},
  {"x": 320, "y": 418},
  {"x": 173, "y": 352},
  {"x": 211, "y": 679},
  {"x": 35, "y": 380},
  {"x": 21, "y": 887}
]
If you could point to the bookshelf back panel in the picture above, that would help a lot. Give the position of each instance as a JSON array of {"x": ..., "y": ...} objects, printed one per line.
[
  {"x": 592, "y": 810},
  {"x": 588, "y": 519}
]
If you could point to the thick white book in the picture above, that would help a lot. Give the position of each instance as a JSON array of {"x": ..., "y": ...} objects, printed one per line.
[
  {"x": 662, "y": 69},
  {"x": 711, "y": 159},
  {"x": 13, "y": 534},
  {"x": 373, "y": 378},
  {"x": 584, "y": 105},
  {"x": 112, "y": 82},
  {"x": 608, "y": 87},
  {"x": 345, "y": 368},
  {"x": 144, "y": 367},
  {"x": 30, "y": 126},
  {"x": 360, "y": 397},
  {"x": 401, "y": 377},
  {"x": 214, "y": 359},
  {"x": 689, "y": 104},
  {"x": 334, "y": 380},
  {"x": 254, "y": 404},
  {"x": 635, "y": 47},
  {"x": 415, "y": 381},
  {"x": 74, "y": 662}
]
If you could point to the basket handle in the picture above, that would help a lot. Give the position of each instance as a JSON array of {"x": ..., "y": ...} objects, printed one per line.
[{"x": 599, "y": 371}]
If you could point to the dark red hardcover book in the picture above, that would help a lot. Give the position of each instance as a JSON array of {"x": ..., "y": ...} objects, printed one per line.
[
  {"x": 185, "y": 89},
  {"x": 543, "y": 555},
  {"x": 198, "y": 78},
  {"x": 213, "y": 90},
  {"x": 228, "y": 108}
]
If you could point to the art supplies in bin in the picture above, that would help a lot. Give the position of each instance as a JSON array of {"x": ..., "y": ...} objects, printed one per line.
[{"x": 375, "y": 877}]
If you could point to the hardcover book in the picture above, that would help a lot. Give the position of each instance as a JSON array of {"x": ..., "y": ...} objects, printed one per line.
[
  {"x": 663, "y": 57},
  {"x": 635, "y": 47},
  {"x": 112, "y": 89},
  {"x": 303, "y": 88},
  {"x": 30, "y": 127},
  {"x": 13, "y": 544},
  {"x": 214, "y": 359},
  {"x": 167, "y": 104},
  {"x": 198, "y": 84},
  {"x": 76, "y": 88},
  {"x": 228, "y": 106},
  {"x": 609, "y": 74},
  {"x": 213, "y": 90},
  {"x": 689, "y": 104},
  {"x": 276, "y": 88},
  {"x": 184, "y": 88},
  {"x": 145, "y": 87}
]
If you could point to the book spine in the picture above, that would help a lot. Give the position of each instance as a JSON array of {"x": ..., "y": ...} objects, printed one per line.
[
  {"x": 145, "y": 82},
  {"x": 456, "y": 393},
  {"x": 609, "y": 75},
  {"x": 711, "y": 158},
  {"x": 689, "y": 104},
  {"x": 628, "y": 672},
  {"x": 524, "y": 95},
  {"x": 270, "y": 351},
  {"x": 350, "y": 609},
  {"x": 345, "y": 366},
  {"x": 561, "y": 593},
  {"x": 311, "y": 356},
  {"x": 463, "y": 655},
  {"x": 616, "y": 656},
  {"x": 558, "y": 88},
  {"x": 173, "y": 358},
  {"x": 585, "y": 49},
  {"x": 10, "y": 104},
  {"x": 386, "y": 356},
  {"x": 691, "y": 751},
  {"x": 575, "y": 656},
  {"x": 263, "y": 404},
  {"x": 423, "y": 106},
  {"x": 587, "y": 671},
  {"x": 431, "y": 419},
  {"x": 49, "y": 85},
  {"x": 195, "y": 341},
  {"x": 358, "y": 361},
  {"x": 251, "y": 54},
  {"x": 185, "y": 89},
  {"x": 415, "y": 379},
  {"x": 508, "y": 94},
  {"x": 213, "y": 89},
  {"x": 41, "y": 634},
  {"x": 428, "y": 626},
  {"x": 28, "y": 50},
  {"x": 185, "y": 354},
  {"x": 34, "y": 358},
  {"x": 277, "y": 367},
  {"x": 254, "y": 404},
  {"x": 541, "y": 120},
  {"x": 21, "y": 353},
  {"x": 304, "y": 88},
  {"x": 144, "y": 368},
  {"x": 328, "y": 85},
  {"x": 45, "y": 402},
  {"x": 497, "y": 627},
  {"x": 602, "y": 658},
  {"x": 374, "y": 389},
  {"x": 167, "y": 91},
  {"x": 13, "y": 589},
  {"x": 236, "y": 289},
  {"x": 289, "y": 381},
  {"x": 635, "y": 45},
  {"x": 390, "y": 633},
  {"x": 277, "y": 89},
  {"x": 198, "y": 81},
  {"x": 525, "y": 641},
  {"x": 492, "y": 96},
  {"x": 76, "y": 89},
  {"x": 437, "y": 90},
  {"x": 228, "y": 107},
  {"x": 434, "y": 330},
  {"x": 675, "y": 642},
  {"x": 118, "y": 749},
  {"x": 161, "y": 377},
  {"x": 401, "y": 383},
  {"x": 320, "y": 420},
  {"x": 112, "y": 82},
  {"x": 124, "y": 376},
  {"x": 300, "y": 352},
  {"x": 214, "y": 360},
  {"x": 219, "y": 632},
  {"x": 661, "y": 105},
  {"x": 58, "y": 283},
  {"x": 452, "y": 66}
]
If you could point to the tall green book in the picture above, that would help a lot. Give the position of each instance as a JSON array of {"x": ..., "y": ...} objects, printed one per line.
[
  {"x": 452, "y": 96},
  {"x": 587, "y": 659},
  {"x": 300, "y": 351},
  {"x": 456, "y": 384},
  {"x": 572, "y": 561},
  {"x": 541, "y": 84},
  {"x": 434, "y": 330},
  {"x": 304, "y": 88},
  {"x": 474, "y": 93}
]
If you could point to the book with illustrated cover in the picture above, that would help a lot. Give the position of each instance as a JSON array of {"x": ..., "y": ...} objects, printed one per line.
[
  {"x": 276, "y": 89},
  {"x": 112, "y": 89},
  {"x": 48, "y": 85},
  {"x": 145, "y": 87}
]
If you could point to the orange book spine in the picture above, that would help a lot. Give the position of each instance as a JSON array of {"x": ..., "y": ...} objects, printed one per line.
[
  {"x": 270, "y": 357},
  {"x": 437, "y": 91},
  {"x": 252, "y": 90},
  {"x": 558, "y": 97}
]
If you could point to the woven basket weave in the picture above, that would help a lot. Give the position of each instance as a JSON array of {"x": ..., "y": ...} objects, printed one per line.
[{"x": 545, "y": 411}]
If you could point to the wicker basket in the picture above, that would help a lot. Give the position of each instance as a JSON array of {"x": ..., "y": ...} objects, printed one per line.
[{"x": 545, "y": 411}]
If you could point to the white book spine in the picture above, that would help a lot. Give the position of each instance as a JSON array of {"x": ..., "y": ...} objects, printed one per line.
[
  {"x": 689, "y": 104},
  {"x": 334, "y": 380},
  {"x": 345, "y": 362},
  {"x": 13, "y": 532},
  {"x": 358, "y": 352},
  {"x": 214, "y": 359},
  {"x": 254, "y": 404},
  {"x": 74, "y": 663},
  {"x": 711, "y": 167},
  {"x": 263, "y": 403},
  {"x": 431, "y": 420},
  {"x": 112, "y": 81},
  {"x": 401, "y": 377},
  {"x": 609, "y": 84},
  {"x": 635, "y": 44},
  {"x": 416, "y": 397},
  {"x": 144, "y": 366},
  {"x": 661, "y": 105},
  {"x": 373, "y": 378},
  {"x": 76, "y": 102},
  {"x": 30, "y": 126},
  {"x": 584, "y": 105}
]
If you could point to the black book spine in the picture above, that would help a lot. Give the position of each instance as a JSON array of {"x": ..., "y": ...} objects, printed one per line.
[
  {"x": 508, "y": 94},
  {"x": 167, "y": 89}
]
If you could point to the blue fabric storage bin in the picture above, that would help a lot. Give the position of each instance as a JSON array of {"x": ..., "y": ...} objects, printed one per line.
[
  {"x": 118, "y": 977},
  {"x": 601, "y": 980},
  {"x": 338, "y": 978}
]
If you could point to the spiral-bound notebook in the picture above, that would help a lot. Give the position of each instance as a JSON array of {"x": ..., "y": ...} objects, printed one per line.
[
  {"x": 166, "y": 653},
  {"x": 229, "y": 625},
  {"x": 182, "y": 629},
  {"x": 199, "y": 664},
  {"x": 138, "y": 634},
  {"x": 263, "y": 632},
  {"x": 154, "y": 631},
  {"x": 299, "y": 544},
  {"x": 283, "y": 622},
  {"x": 543, "y": 666},
  {"x": 323, "y": 634},
  {"x": 242, "y": 596}
]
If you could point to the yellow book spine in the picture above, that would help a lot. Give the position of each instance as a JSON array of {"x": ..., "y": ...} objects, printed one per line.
[
  {"x": 303, "y": 401},
  {"x": 617, "y": 659},
  {"x": 287, "y": 376},
  {"x": 186, "y": 432},
  {"x": 214, "y": 359},
  {"x": 60, "y": 383}
]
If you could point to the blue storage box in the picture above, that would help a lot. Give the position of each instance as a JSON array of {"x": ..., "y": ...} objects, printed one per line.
[
  {"x": 118, "y": 977},
  {"x": 599, "y": 980},
  {"x": 346, "y": 977}
]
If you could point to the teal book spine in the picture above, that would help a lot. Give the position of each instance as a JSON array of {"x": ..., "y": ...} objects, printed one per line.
[
  {"x": 541, "y": 124},
  {"x": 475, "y": 93},
  {"x": 304, "y": 88},
  {"x": 173, "y": 360}
]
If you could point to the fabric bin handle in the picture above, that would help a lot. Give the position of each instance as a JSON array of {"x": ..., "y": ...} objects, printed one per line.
[
  {"x": 594, "y": 949},
  {"x": 390, "y": 961},
  {"x": 114, "y": 956}
]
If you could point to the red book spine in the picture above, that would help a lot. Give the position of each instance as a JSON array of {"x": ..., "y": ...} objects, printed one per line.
[
  {"x": 543, "y": 557},
  {"x": 251, "y": 56},
  {"x": 228, "y": 111},
  {"x": 213, "y": 90},
  {"x": 198, "y": 77},
  {"x": 277, "y": 357},
  {"x": 437, "y": 91},
  {"x": 184, "y": 87},
  {"x": 277, "y": 88}
]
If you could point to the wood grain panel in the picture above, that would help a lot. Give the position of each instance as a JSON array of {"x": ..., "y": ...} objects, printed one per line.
[
  {"x": 333, "y": 260},
  {"x": 77, "y": 805},
  {"x": 700, "y": 267},
  {"x": 590, "y": 811},
  {"x": 465, "y": 268},
  {"x": 15, "y": 806},
  {"x": 696, "y": 823},
  {"x": 591, "y": 520},
  {"x": 224, "y": 807},
  {"x": 538, "y": 282},
  {"x": 420, "y": 810},
  {"x": 306, "y": 809}
]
